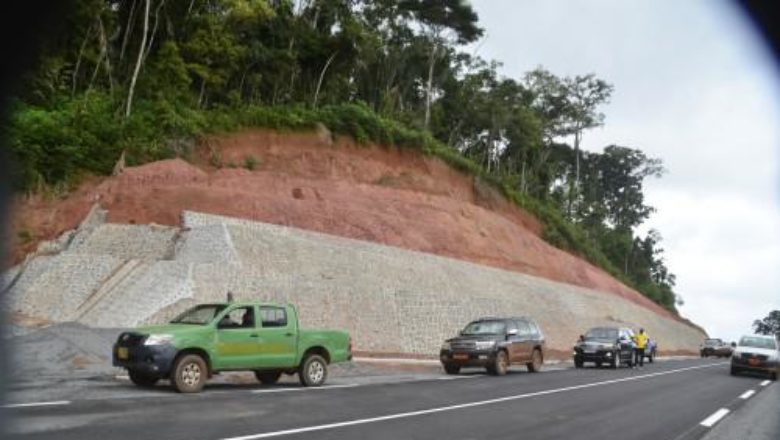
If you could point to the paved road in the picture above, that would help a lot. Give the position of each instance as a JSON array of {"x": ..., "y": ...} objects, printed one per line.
[{"x": 668, "y": 400}]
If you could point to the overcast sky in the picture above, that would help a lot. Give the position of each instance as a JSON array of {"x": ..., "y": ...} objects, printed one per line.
[{"x": 694, "y": 86}]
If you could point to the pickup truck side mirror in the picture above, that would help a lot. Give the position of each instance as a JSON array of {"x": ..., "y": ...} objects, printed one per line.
[
  {"x": 733, "y": 345},
  {"x": 460, "y": 333}
]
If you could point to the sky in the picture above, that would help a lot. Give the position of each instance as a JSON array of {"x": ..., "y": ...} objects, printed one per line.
[{"x": 696, "y": 87}]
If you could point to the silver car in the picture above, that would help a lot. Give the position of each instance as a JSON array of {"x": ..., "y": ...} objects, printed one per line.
[{"x": 756, "y": 353}]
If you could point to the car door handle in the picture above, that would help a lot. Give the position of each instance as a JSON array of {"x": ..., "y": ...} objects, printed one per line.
[
  {"x": 254, "y": 335},
  {"x": 289, "y": 334}
]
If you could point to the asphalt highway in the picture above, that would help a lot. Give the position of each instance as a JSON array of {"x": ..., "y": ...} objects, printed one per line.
[{"x": 676, "y": 400}]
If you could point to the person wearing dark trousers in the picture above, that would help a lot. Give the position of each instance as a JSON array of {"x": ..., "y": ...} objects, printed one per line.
[{"x": 640, "y": 339}]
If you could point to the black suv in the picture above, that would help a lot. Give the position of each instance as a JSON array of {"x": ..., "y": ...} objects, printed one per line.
[
  {"x": 495, "y": 344},
  {"x": 605, "y": 345}
]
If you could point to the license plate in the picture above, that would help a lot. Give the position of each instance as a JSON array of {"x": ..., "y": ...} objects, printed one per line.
[
  {"x": 589, "y": 350},
  {"x": 460, "y": 356},
  {"x": 753, "y": 361},
  {"x": 121, "y": 353}
]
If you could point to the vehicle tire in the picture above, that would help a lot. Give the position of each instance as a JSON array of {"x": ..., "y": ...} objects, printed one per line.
[
  {"x": 598, "y": 364},
  {"x": 189, "y": 374},
  {"x": 142, "y": 379},
  {"x": 535, "y": 365},
  {"x": 734, "y": 370},
  {"x": 500, "y": 364},
  {"x": 313, "y": 371},
  {"x": 616, "y": 360},
  {"x": 773, "y": 376},
  {"x": 268, "y": 377},
  {"x": 577, "y": 363},
  {"x": 451, "y": 369}
]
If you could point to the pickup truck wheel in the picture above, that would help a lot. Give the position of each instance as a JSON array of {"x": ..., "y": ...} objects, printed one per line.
[
  {"x": 314, "y": 371},
  {"x": 615, "y": 360},
  {"x": 577, "y": 363},
  {"x": 536, "y": 362},
  {"x": 773, "y": 375},
  {"x": 500, "y": 364},
  {"x": 451, "y": 369},
  {"x": 189, "y": 374},
  {"x": 268, "y": 377},
  {"x": 141, "y": 379}
]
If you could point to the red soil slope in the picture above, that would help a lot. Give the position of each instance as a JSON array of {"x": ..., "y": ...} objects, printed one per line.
[{"x": 389, "y": 196}]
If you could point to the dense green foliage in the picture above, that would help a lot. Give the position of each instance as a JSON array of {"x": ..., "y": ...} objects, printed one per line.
[
  {"x": 770, "y": 325},
  {"x": 146, "y": 77}
]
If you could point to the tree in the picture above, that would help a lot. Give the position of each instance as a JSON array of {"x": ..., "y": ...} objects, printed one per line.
[{"x": 770, "y": 325}]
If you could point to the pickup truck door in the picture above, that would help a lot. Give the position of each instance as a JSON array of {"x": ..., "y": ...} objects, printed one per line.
[
  {"x": 525, "y": 334},
  {"x": 237, "y": 339},
  {"x": 278, "y": 337}
]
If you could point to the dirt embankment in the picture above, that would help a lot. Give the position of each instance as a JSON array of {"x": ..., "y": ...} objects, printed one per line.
[{"x": 389, "y": 196}]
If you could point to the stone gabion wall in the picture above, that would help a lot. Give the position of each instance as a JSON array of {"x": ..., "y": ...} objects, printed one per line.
[{"x": 391, "y": 300}]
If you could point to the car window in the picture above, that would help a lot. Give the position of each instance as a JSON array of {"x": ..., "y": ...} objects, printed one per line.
[
  {"x": 492, "y": 327},
  {"x": 240, "y": 317},
  {"x": 534, "y": 328},
  {"x": 273, "y": 316},
  {"x": 757, "y": 342},
  {"x": 523, "y": 329}
]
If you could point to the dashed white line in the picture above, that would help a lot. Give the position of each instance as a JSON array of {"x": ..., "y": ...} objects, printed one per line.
[
  {"x": 287, "y": 390},
  {"x": 714, "y": 418},
  {"x": 746, "y": 395},
  {"x": 34, "y": 404},
  {"x": 460, "y": 406},
  {"x": 765, "y": 383}
]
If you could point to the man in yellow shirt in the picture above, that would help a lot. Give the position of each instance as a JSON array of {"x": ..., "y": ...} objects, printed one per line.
[{"x": 640, "y": 339}]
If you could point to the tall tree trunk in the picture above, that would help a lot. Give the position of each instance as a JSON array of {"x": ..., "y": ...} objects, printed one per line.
[
  {"x": 154, "y": 29},
  {"x": 322, "y": 76},
  {"x": 107, "y": 59},
  {"x": 74, "y": 76},
  {"x": 429, "y": 85},
  {"x": 138, "y": 62},
  {"x": 128, "y": 31}
]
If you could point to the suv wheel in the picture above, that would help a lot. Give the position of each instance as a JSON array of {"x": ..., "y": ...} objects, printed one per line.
[
  {"x": 451, "y": 369},
  {"x": 142, "y": 379},
  {"x": 500, "y": 364},
  {"x": 536, "y": 361},
  {"x": 578, "y": 363},
  {"x": 615, "y": 360},
  {"x": 268, "y": 377},
  {"x": 189, "y": 374},
  {"x": 314, "y": 371}
]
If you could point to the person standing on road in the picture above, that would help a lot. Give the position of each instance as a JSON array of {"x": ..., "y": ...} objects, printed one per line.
[{"x": 640, "y": 339}]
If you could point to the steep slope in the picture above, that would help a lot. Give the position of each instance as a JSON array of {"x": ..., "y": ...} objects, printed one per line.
[{"x": 388, "y": 196}]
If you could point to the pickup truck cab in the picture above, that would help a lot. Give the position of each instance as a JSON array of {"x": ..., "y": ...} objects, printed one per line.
[{"x": 211, "y": 338}]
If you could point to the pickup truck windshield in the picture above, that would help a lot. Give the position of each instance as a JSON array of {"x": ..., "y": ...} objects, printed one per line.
[
  {"x": 199, "y": 315},
  {"x": 485, "y": 328},
  {"x": 711, "y": 342},
  {"x": 602, "y": 333},
  {"x": 751, "y": 341}
]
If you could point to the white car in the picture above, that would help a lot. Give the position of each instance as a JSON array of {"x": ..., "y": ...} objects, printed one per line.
[{"x": 756, "y": 353}]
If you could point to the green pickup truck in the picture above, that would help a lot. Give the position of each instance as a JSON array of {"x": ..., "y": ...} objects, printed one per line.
[{"x": 210, "y": 338}]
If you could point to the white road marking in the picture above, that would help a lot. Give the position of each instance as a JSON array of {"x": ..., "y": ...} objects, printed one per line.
[
  {"x": 460, "y": 406},
  {"x": 34, "y": 404},
  {"x": 286, "y": 390},
  {"x": 713, "y": 419},
  {"x": 473, "y": 376},
  {"x": 765, "y": 383},
  {"x": 746, "y": 395}
]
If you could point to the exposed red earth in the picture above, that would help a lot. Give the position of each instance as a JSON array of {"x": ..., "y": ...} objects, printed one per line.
[{"x": 385, "y": 195}]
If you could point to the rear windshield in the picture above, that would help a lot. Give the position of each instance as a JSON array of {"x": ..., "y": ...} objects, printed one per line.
[
  {"x": 485, "y": 328},
  {"x": 712, "y": 342},
  {"x": 756, "y": 342},
  {"x": 602, "y": 333},
  {"x": 199, "y": 315}
]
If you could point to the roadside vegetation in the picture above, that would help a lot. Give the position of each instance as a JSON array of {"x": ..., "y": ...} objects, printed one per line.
[{"x": 146, "y": 78}]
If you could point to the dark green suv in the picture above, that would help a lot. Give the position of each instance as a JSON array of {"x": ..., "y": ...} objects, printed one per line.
[{"x": 495, "y": 344}]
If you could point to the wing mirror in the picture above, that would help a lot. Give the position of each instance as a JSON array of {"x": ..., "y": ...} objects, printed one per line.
[
  {"x": 733, "y": 345},
  {"x": 511, "y": 332}
]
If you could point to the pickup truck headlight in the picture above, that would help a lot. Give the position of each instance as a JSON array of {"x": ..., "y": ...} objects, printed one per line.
[
  {"x": 481, "y": 345},
  {"x": 158, "y": 339},
  {"x": 445, "y": 346}
]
